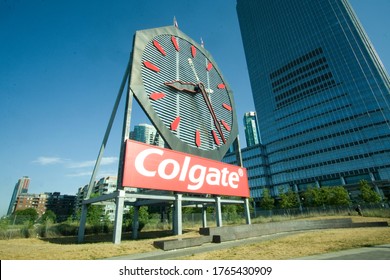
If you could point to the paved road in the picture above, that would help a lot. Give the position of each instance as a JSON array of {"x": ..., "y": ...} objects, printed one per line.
[{"x": 381, "y": 252}]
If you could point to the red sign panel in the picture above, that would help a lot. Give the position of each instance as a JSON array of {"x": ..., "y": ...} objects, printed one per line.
[{"x": 152, "y": 167}]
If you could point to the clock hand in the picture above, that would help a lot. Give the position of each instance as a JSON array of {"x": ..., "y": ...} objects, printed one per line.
[
  {"x": 183, "y": 86},
  {"x": 196, "y": 75},
  {"x": 193, "y": 69},
  {"x": 196, "y": 88},
  {"x": 210, "y": 107}
]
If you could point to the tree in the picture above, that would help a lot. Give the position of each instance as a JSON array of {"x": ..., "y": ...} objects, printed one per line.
[
  {"x": 49, "y": 215},
  {"x": 367, "y": 194},
  {"x": 288, "y": 200},
  {"x": 26, "y": 215},
  {"x": 313, "y": 197},
  {"x": 337, "y": 196},
  {"x": 95, "y": 213},
  {"x": 267, "y": 202}
]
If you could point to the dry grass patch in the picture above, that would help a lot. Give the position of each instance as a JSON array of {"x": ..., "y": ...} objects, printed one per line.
[
  {"x": 37, "y": 249},
  {"x": 65, "y": 248},
  {"x": 302, "y": 244}
]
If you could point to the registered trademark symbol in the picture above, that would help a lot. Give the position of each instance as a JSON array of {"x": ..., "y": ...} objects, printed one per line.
[{"x": 240, "y": 172}]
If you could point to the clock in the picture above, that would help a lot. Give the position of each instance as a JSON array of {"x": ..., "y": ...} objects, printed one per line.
[{"x": 181, "y": 89}]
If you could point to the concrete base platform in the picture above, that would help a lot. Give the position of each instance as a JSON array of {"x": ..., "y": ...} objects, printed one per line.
[
  {"x": 229, "y": 233},
  {"x": 180, "y": 243}
]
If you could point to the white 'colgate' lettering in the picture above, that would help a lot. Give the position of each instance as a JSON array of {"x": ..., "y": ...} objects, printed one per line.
[{"x": 169, "y": 169}]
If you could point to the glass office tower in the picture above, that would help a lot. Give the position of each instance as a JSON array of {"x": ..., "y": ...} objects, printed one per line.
[
  {"x": 21, "y": 187},
  {"x": 320, "y": 91},
  {"x": 252, "y": 136},
  {"x": 148, "y": 134}
]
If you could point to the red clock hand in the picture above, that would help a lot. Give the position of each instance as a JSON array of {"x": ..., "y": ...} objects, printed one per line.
[
  {"x": 183, "y": 86},
  {"x": 210, "y": 107},
  {"x": 196, "y": 88}
]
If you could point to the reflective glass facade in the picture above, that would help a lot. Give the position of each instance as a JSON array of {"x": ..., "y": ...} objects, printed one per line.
[
  {"x": 147, "y": 133},
  {"x": 255, "y": 161},
  {"x": 252, "y": 136},
  {"x": 320, "y": 91},
  {"x": 21, "y": 187}
]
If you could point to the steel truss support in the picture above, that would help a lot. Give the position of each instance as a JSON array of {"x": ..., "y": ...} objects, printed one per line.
[
  {"x": 139, "y": 199},
  {"x": 101, "y": 152},
  {"x": 122, "y": 197},
  {"x": 177, "y": 215}
]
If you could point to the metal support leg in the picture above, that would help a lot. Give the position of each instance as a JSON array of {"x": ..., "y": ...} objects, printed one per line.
[
  {"x": 174, "y": 220},
  {"x": 204, "y": 216},
  {"x": 83, "y": 220},
  {"x": 120, "y": 201},
  {"x": 247, "y": 212},
  {"x": 135, "y": 225},
  {"x": 177, "y": 223},
  {"x": 218, "y": 211}
]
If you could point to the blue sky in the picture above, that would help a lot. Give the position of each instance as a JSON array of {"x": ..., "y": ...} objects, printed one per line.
[{"x": 61, "y": 65}]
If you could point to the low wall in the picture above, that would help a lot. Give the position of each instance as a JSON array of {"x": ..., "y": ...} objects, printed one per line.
[
  {"x": 247, "y": 231},
  {"x": 229, "y": 233},
  {"x": 181, "y": 243}
]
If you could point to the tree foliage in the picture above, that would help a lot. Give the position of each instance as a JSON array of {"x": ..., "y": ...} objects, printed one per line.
[
  {"x": 267, "y": 202},
  {"x": 334, "y": 196},
  {"x": 288, "y": 200},
  {"x": 367, "y": 193},
  {"x": 338, "y": 196},
  {"x": 313, "y": 197},
  {"x": 29, "y": 215},
  {"x": 49, "y": 215},
  {"x": 95, "y": 213}
]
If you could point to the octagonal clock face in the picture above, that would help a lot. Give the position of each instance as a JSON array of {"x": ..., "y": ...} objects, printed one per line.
[{"x": 180, "y": 88}]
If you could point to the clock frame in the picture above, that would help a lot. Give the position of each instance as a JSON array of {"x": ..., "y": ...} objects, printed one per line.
[{"x": 161, "y": 57}]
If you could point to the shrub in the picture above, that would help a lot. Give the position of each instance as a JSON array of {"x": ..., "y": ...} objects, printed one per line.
[
  {"x": 27, "y": 230},
  {"x": 67, "y": 229},
  {"x": 143, "y": 218}
]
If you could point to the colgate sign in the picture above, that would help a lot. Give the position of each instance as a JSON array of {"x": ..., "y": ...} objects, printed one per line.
[{"x": 156, "y": 168}]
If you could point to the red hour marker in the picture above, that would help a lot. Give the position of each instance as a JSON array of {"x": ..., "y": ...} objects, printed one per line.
[
  {"x": 159, "y": 47},
  {"x": 151, "y": 66},
  {"x": 209, "y": 66},
  {"x": 175, "y": 123},
  {"x": 227, "y": 107},
  {"x": 157, "y": 95},
  {"x": 221, "y": 86},
  {"x": 197, "y": 138},
  {"x": 174, "y": 42},
  {"x": 193, "y": 51},
  {"x": 216, "y": 139},
  {"x": 225, "y": 125}
]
